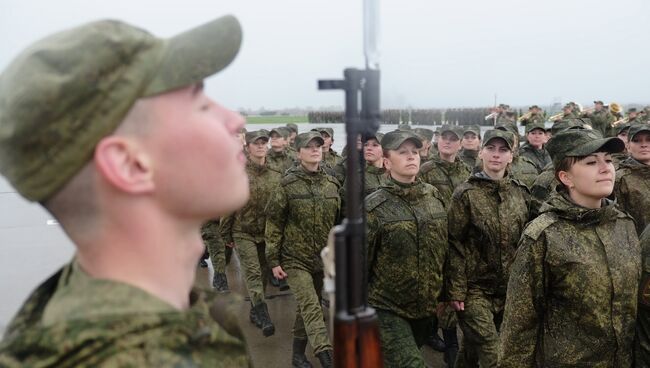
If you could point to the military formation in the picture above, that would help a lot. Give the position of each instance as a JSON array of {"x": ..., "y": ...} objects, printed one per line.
[{"x": 536, "y": 253}]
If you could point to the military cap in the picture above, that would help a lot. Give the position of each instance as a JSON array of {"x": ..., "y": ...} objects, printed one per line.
[
  {"x": 392, "y": 140},
  {"x": 255, "y": 135},
  {"x": 64, "y": 93},
  {"x": 537, "y": 125},
  {"x": 491, "y": 134},
  {"x": 504, "y": 106},
  {"x": 598, "y": 102},
  {"x": 424, "y": 133},
  {"x": 293, "y": 127},
  {"x": 265, "y": 131},
  {"x": 458, "y": 131},
  {"x": 533, "y": 107},
  {"x": 303, "y": 139},
  {"x": 631, "y": 109},
  {"x": 620, "y": 128},
  {"x": 404, "y": 126},
  {"x": 377, "y": 136},
  {"x": 473, "y": 129},
  {"x": 508, "y": 127},
  {"x": 567, "y": 124},
  {"x": 283, "y": 132},
  {"x": 579, "y": 143},
  {"x": 568, "y": 106},
  {"x": 321, "y": 130},
  {"x": 638, "y": 128}
]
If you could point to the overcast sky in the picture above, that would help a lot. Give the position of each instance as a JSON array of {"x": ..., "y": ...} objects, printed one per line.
[{"x": 434, "y": 53}]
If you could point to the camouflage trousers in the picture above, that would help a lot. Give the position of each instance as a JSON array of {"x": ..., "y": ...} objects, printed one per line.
[
  {"x": 218, "y": 254},
  {"x": 309, "y": 323},
  {"x": 480, "y": 323},
  {"x": 401, "y": 339},
  {"x": 253, "y": 262}
]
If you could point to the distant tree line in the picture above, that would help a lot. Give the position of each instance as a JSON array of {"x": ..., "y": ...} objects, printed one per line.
[{"x": 457, "y": 116}]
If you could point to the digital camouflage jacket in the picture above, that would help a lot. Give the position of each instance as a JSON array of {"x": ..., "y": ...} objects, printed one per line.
[
  {"x": 407, "y": 247},
  {"x": 248, "y": 223},
  {"x": 601, "y": 120},
  {"x": 73, "y": 320},
  {"x": 523, "y": 169},
  {"x": 373, "y": 178},
  {"x": 332, "y": 158},
  {"x": 642, "y": 341},
  {"x": 540, "y": 158},
  {"x": 632, "y": 191},
  {"x": 280, "y": 161},
  {"x": 572, "y": 294},
  {"x": 300, "y": 215},
  {"x": 444, "y": 176},
  {"x": 469, "y": 157},
  {"x": 486, "y": 218}
]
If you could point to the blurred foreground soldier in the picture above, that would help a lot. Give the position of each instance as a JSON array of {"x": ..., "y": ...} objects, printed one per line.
[
  {"x": 534, "y": 149},
  {"x": 633, "y": 177},
  {"x": 471, "y": 143},
  {"x": 104, "y": 124},
  {"x": 486, "y": 217},
  {"x": 299, "y": 217},
  {"x": 407, "y": 247},
  {"x": 219, "y": 254},
  {"x": 572, "y": 293},
  {"x": 244, "y": 229},
  {"x": 280, "y": 158}
]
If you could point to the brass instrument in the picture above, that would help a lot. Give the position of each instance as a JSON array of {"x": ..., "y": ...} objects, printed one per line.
[
  {"x": 492, "y": 115},
  {"x": 556, "y": 116},
  {"x": 620, "y": 121},
  {"x": 525, "y": 116}
]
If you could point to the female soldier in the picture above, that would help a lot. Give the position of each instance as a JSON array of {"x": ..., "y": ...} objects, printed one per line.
[
  {"x": 299, "y": 218},
  {"x": 633, "y": 177},
  {"x": 407, "y": 246},
  {"x": 572, "y": 290},
  {"x": 486, "y": 217}
]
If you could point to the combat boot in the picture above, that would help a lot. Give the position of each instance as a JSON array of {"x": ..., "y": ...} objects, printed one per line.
[
  {"x": 435, "y": 342},
  {"x": 451, "y": 343},
  {"x": 268, "y": 329},
  {"x": 254, "y": 317},
  {"x": 298, "y": 358},
  {"x": 325, "y": 358},
  {"x": 220, "y": 282}
]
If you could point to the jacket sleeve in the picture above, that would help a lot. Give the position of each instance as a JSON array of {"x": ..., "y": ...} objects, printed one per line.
[
  {"x": 276, "y": 217},
  {"x": 456, "y": 270},
  {"x": 521, "y": 331},
  {"x": 225, "y": 228},
  {"x": 372, "y": 239}
]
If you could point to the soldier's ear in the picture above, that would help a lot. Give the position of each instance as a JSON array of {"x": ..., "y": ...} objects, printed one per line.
[
  {"x": 124, "y": 165},
  {"x": 566, "y": 179}
]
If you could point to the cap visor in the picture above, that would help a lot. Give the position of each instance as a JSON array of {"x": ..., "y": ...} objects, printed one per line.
[
  {"x": 609, "y": 145},
  {"x": 417, "y": 142},
  {"x": 197, "y": 54}
]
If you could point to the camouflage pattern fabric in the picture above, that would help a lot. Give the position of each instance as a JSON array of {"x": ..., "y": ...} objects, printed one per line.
[
  {"x": 255, "y": 267},
  {"x": 300, "y": 215},
  {"x": 216, "y": 247},
  {"x": 642, "y": 341},
  {"x": 601, "y": 120},
  {"x": 407, "y": 247},
  {"x": 73, "y": 320},
  {"x": 617, "y": 158},
  {"x": 524, "y": 170},
  {"x": 632, "y": 191},
  {"x": 468, "y": 157},
  {"x": 543, "y": 186},
  {"x": 533, "y": 119},
  {"x": 374, "y": 178},
  {"x": 444, "y": 176},
  {"x": 480, "y": 323},
  {"x": 332, "y": 158},
  {"x": 572, "y": 294},
  {"x": 401, "y": 339},
  {"x": 539, "y": 157},
  {"x": 486, "y": 218},
  {"x": 309, "y": 324},
  {"x": 280, "y": 161}
]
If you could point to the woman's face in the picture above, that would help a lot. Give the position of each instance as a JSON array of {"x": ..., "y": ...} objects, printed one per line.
[
  {"x": 536, "y": 138},
  {"x": 496, "y": 155},
  {"x": 470, "y": 141},
  {"x": 372, "y": 151},
  {"x": 639, "y": 147},
  {"x": 404, "y": 162},
  {"x": 590, "y": 179}
]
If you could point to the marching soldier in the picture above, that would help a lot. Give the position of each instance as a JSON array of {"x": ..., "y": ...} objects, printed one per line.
[
  {"x": 534, "y": 149},
  {"x": 642, "y": 341},
  {"x": 471, "y": 143},
  {"x": 219, "y": 253},
  {"x": 521, "y": 168},
  {"x": 426, "y": 135},
  {"x": 280, "y": 158},
  {"x": 534, "y": 116},
  {"x": 330, "y": 156},
  {"x": 293, "y": 128}
]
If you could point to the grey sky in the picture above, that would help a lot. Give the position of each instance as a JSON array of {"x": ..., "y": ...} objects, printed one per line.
[{"x": 434, "y": 53}]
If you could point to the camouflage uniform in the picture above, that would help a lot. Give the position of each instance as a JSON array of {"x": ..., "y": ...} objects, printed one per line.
[
  {"x": 215, "y": 245},
  {"x": 300, "y": 215},
  {"x": 544, "y": 185},
  {"x": 444, "y": 176},
  {"x": 280, "y": 161},
  {"x": 642, "y": 341},
  {"x": 572, "y": 293},
  {"x": 539, "y": 157},
  {"x": 601, "y": 120},
  {"x": 633, "y": 191},
  {"x": 332, "y": 158},
  {"x": 523, "y": 169},
  {"x": 533, "y": 119},
  {"x": 245, "y": 228},
  {"x": 74, "y": 320},
  {"x": 407, "y": 247},
  {"x": 486, "y": 218},
  {"x": 374, "y": 178},
  {"x": 469, "y": 157}
]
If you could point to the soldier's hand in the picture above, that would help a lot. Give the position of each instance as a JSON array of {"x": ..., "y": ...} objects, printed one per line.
[
  {"x": 457, "y": 305},
  {"x": 230, "y": 245},
  {"x": 279, "y": 273}
]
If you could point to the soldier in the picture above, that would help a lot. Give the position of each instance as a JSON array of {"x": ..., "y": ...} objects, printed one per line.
[
  {"x": 642, "y": 341},
  {"x": 572, "y": 293},
  {"x": 219, "y": 253},
  {"x": 375, "y": 173},
  {"x": 300, "y": 215},
  {"x": 446, "y": 171},
  {"x": 644, "y": 116},
  {"x": 632, "y": 115},
  {"x": 244, "y": 229},
  {"x": 521, "y": 168},
  {"x": 534, "y": 116},
  {"x": 426, "y": 135},
  {"x": 109, "y": 128},
  {"x": 471, "y": 143},
  {"x": 330, "y": 157},
  {"x": 621, "y": 131},
  {"x": 293, "y": 128},
  {"x": 486, "y": 217},
  {"x": 280, "y": 158},
  {"x": 633, "y": 177},
  {"x": 407, "y": 247},
  {"x": 600, "y": 118},
  {"x": 534, "y": 149},
  {"x": 567, "y": 113}
]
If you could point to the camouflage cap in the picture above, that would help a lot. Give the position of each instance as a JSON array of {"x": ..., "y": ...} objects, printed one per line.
[
  {"x": 424, "y": 133},
  {"x": 567, "y": 124},
  {"x": 378, "y": 136},
  {"x": 599, "y": 102},
  {"x": 292, "y": 127},
  {"x": 508, "y": 127},
  {"x": 637, "y": 128},
  {"x": 458, "y": 131},
  {"x": 620, "y": 128},
  {"x": 303, "y": 139},
  {"x": 491, "y": 134},
  {"x": 404, "y": 126},
  {"x": 533, "y": 107},
  {"x": 631, "y": 109},
  {"x": 392, "y": 140},
  {"x": 579, "y": 143},
  {"x": 255, "y": 135},
  {"x": 327, "y": 130},
  {"x": 283, "y": 132},
  {"x": 473, "y": 129},
  {"x": 64, "y": 93},
  {"x": 536, "y": 125}
]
